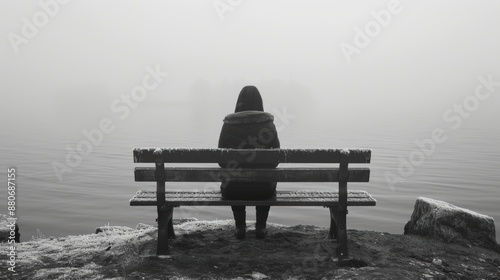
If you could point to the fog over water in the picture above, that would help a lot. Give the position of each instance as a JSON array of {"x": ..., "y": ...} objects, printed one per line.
[{"x": 417, "y": 74}]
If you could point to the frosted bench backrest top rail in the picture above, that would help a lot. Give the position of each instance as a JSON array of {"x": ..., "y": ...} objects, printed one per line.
[{"x": 186, "y": 155}]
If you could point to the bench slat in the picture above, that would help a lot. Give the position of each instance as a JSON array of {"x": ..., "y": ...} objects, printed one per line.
[
  {"x": 283, "y": 198},
  {"x": 283, "y": 194},
  {"x": 185, "y": 155},
  {"x": 191, "y": 174}
]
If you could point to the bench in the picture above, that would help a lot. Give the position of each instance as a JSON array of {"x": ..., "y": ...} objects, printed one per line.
[{"x": 336, "y": 201}]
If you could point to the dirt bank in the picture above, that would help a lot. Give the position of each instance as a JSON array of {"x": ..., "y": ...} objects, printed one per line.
[{"x": 207, "y": 250}]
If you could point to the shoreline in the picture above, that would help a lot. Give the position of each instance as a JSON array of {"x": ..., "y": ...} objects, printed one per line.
[{"x": 208, "y": 250}]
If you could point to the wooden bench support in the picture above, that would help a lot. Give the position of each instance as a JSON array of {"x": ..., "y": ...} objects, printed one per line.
[
  {"x": 342, "y": 211},
  {"x": 164, "y": 216},
  {"x": 341, "y": 233},
  {"x": 165, "y": 212},
  {"x": 163, "y": 220},
  {"x": 171, "y": 232},
  {"x": 332, "y": 234}
]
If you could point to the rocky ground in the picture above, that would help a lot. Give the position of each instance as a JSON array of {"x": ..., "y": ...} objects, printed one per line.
[{"x": 208, "y": 250}]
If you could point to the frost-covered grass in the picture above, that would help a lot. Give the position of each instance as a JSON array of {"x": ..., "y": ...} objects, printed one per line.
[
  {"x": 208, "y": 250},
  {"x": 110, "y": 254},
  {"x": 81, "y": 256}
]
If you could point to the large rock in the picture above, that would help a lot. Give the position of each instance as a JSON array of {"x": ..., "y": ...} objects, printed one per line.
[
  {"x": 5, "y": 229},
  {"x": 450, "y": 223}
]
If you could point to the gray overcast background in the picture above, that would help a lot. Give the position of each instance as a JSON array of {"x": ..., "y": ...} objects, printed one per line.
[
  {"x": 91, "y": 52},
  {"x": 393, "y": 92}
]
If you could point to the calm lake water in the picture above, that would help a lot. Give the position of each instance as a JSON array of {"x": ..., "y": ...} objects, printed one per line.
[{"x": 463, "y": 170}]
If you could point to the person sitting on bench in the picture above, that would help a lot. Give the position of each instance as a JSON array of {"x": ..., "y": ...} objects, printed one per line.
[{"x": 249, "y": 127}]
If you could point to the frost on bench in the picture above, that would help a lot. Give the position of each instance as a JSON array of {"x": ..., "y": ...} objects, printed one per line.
[
  {"x": 283, "y": 198},
  {"x": 262, "y": 155}
]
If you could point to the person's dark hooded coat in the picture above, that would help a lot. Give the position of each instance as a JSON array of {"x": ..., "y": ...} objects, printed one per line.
[{"x": 249, "y": 128}]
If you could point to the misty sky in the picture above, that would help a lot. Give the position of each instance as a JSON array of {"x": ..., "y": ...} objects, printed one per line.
[{"x": 427, "y": 58}]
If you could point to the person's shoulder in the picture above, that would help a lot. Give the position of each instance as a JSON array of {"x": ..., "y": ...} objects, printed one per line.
[{"x": 246, "y": 117}]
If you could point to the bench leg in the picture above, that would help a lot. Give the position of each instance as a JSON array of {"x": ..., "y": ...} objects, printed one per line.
[
  {"x": 342, "y": 213},
  {"x": 164, "y": 219},
  {"x": 171, "y": 232},
  {"x": 341, "y": 234},
  {"x": 332, "y": 234}
]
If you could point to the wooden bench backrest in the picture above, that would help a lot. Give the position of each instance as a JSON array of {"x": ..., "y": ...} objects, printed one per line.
[{"x": 333, "y": 174}]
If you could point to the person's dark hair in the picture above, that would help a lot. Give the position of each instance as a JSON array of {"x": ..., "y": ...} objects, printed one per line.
[{"x": 249, "y": 100}]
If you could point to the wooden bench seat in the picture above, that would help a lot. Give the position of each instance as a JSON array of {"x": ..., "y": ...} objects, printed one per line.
[
  {"x": 283, "y": 198},
  {"x": 336, "y": 200}
]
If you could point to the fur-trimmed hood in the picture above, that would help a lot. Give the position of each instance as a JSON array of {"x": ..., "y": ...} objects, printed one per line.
[{"x": 246, "y": 117}]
